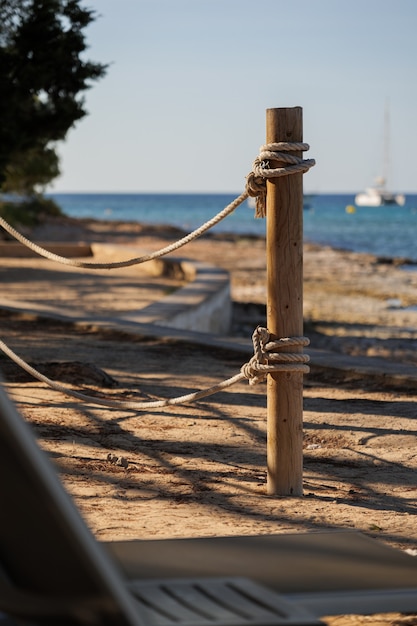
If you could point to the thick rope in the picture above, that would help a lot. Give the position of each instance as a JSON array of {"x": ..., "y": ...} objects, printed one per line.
[
  {"x": 262, "y": 170},
  {"x": 128, "y": 262},
  {"x": 255, "y": 187},
  {"x": 265, "y": 361},
  {"x": 269, "y": 359}
]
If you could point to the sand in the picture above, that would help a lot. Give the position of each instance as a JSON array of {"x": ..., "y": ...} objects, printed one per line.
[{"x": 200, "y": 469}]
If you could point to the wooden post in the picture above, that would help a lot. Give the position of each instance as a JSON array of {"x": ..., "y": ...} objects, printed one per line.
[{"x": 284, "y": 241}]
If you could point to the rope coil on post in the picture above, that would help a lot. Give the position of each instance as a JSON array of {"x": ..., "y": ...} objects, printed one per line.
[
  {"x": 287, "y": 164},
  {"x": 267, "y": 357}
]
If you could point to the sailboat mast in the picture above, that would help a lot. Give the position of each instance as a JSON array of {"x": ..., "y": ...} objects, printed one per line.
[
  {"x": 385, "y": 164},
  {"x": 378, "y": 195}
]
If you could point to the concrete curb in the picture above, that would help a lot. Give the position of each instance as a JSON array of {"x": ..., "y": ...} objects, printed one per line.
[
  {"x": 197, "y": 314},
  {"x": 203, "y": 304}
]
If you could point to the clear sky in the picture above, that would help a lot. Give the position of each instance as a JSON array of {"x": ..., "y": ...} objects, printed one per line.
[{"x": 182, "y": 107}]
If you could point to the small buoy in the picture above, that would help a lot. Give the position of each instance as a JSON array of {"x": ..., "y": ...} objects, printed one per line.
[{"x": 350, "y": 209}]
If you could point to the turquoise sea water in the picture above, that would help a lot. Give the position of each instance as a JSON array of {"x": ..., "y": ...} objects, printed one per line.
[{"x": 385, "y": 231}]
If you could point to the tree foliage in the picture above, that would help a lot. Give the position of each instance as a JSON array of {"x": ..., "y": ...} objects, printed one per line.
[
  {"x": 30, "y": 169},
  {"x": 43, "y": 75}
]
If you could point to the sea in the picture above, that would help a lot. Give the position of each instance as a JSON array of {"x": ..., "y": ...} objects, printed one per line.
[{"x": 329, "y": 219}]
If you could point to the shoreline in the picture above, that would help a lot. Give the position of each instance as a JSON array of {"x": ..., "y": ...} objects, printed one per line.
[
  {"x": 354, "y": 303},
  {"x": 64, "y": 228},
  {"x": 48, "y": 231},
  {"x": 326, "y": 221}
]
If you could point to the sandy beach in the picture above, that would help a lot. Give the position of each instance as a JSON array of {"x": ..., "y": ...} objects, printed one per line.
[{"x": 200, "y": 469}]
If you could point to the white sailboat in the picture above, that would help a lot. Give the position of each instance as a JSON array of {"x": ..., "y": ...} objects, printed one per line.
[{"x": 378, "y": 195}]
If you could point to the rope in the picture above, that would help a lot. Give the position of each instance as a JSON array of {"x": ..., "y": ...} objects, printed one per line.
[
  {"x": 128, "y": 262},
  {"x": 269, "y": 359},
  {"x": 255, "y": 187},
  {"x": 261, "y": 170},
  {"x": 264, "y": 361}
]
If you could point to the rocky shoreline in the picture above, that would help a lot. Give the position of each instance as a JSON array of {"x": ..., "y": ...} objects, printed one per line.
[{"x": 354, "y": 303}]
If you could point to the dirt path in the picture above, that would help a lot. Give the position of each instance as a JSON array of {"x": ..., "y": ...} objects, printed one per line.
[{"x": 200, "y": 469}]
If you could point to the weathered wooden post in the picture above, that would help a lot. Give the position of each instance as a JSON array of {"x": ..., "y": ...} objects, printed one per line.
[{"x": 284, "y": 241}]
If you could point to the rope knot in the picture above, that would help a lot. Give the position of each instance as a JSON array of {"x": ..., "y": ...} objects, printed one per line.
[
  {"x": 284, "y": 164},
  {"x": 256, "y": 188},
  {"x": 269, "y": 356}
]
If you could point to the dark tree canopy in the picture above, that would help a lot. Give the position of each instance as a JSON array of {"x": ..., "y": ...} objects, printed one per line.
[{"x": 43, "y": 74}]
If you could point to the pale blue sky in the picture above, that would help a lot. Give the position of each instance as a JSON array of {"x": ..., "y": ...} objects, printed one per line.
[{"x": 182, "y": 107}]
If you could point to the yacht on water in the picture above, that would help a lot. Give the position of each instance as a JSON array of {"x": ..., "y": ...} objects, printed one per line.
[{"x": 379, "y": 195}]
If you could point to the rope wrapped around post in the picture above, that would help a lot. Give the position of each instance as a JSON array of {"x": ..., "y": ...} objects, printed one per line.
[
  {"x": 286, "y": 164},
  {"x": 267, "y": 357},
  {"x": 255, "y": 187}
]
